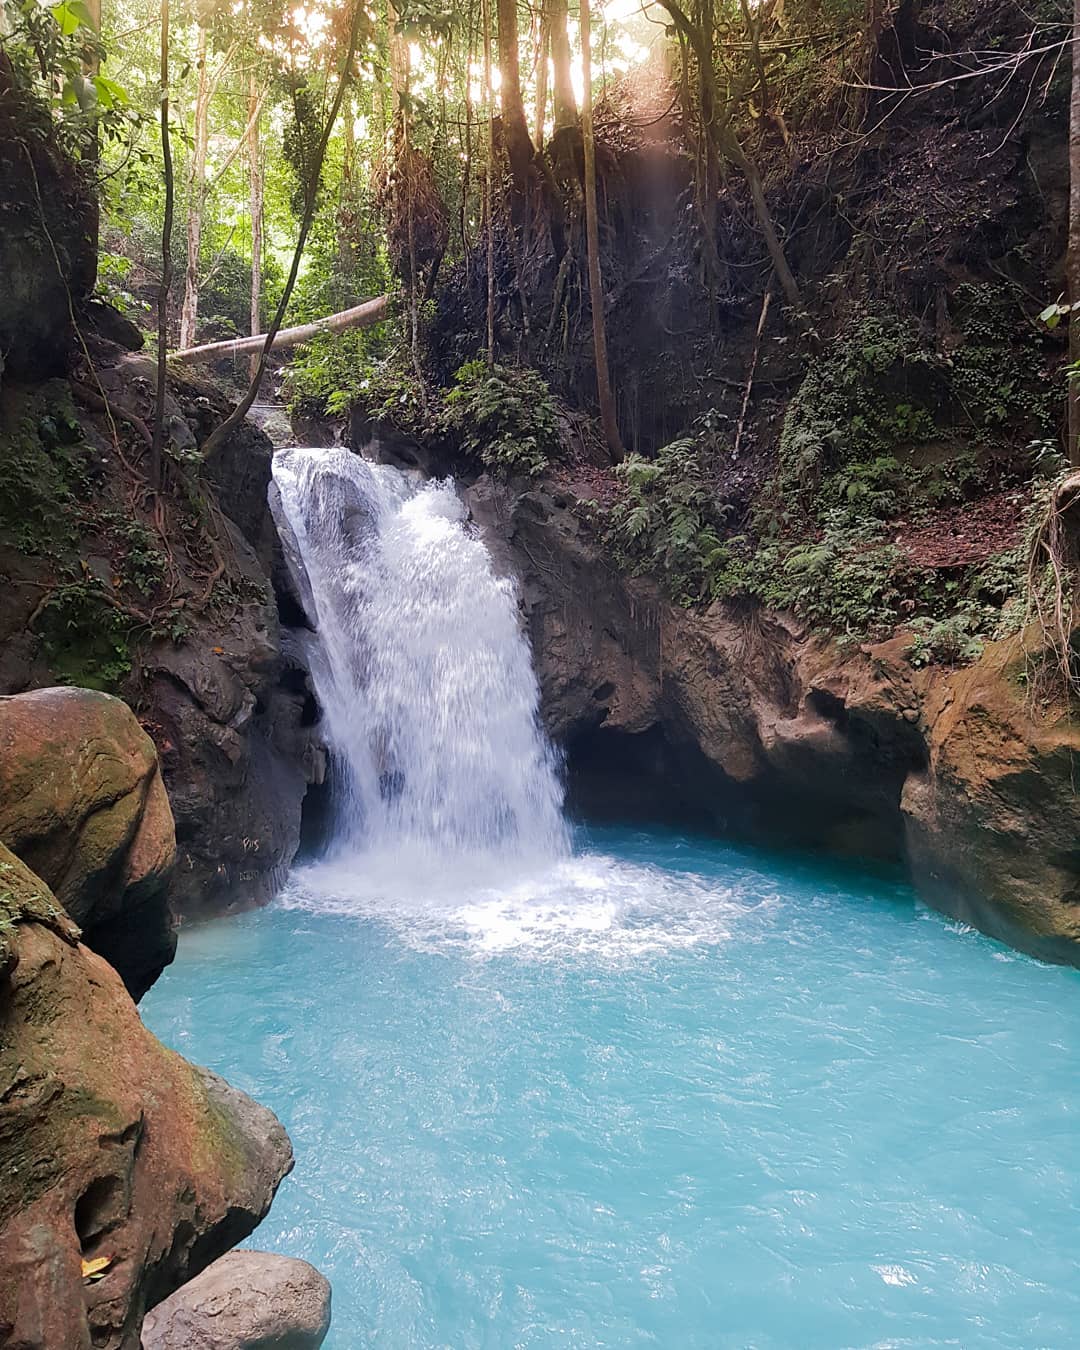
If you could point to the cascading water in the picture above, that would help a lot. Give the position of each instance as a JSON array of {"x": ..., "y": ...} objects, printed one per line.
[{"x": 424, "y": 676}]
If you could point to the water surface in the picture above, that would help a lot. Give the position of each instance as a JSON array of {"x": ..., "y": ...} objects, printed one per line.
[{"x": 664, "y": 1093}]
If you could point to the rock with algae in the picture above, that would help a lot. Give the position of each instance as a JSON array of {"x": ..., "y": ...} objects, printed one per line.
[
  {"x": 83, "y": 804},
  {"x": 124, "y": 1170}
]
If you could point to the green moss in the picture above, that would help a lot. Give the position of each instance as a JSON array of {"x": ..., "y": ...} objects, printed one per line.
[
  {"x": 883, "y": 390},
  {"x": 43, "y": 470},
  {"x": 89, "y": 643},
  {"x": 52, "y": 484}
]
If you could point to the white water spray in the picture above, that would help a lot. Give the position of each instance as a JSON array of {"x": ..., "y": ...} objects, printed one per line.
[{"x": 429, "y": 699}]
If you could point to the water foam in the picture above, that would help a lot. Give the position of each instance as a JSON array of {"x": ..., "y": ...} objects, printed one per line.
[
  {"x": 424, "y": 676},
  {"x": 592, "y": 905}
]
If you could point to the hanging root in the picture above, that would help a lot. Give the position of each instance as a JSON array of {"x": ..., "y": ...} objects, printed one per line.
[
  {"x": 1053, "y": 571},
  {"x": 406, "y": 191}
]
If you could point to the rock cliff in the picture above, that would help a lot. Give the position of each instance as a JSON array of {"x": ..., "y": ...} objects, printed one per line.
[
  {"x": 747, "y": 721},
  {"x": 165, "y": 599}
]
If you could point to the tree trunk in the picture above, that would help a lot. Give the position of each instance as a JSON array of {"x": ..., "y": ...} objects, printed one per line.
[
  {"x": 739, "y": 157},
  {"x": 158, "y": 442},
  {"x": 562, "y": 86},
  {"x": 255, "y": 182},
  {"x": 399, "y": 58},
  {"x": 91, "y": 151},
  {"x": 222, "y": 432},
  {"x": 359, "y": 316},
  {"x": 717, "y": 128},
  {"x": 592, "y": 231},
  {"x": 519, "y": 146},
  {"x": 196, "y": 195},
  {"x": 1073, "y": 254},
  {"x": 489, "y": 182},
  {"x": 543, "y": 43}
]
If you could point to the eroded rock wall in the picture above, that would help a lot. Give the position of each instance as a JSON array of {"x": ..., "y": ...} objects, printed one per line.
[{"x": 748, "y": 721}]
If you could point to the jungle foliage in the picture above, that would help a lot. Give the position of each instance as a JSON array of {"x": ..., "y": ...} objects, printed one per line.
[{"x": 801, "y": 260}]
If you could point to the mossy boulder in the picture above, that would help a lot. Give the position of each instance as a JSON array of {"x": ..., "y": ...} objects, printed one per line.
[
  {"x": 82, "y": 802},
  {"x": 116, "y": 1155}
]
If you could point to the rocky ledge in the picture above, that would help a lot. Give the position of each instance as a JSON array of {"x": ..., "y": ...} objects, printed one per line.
[{"x": 746, "y": 721}]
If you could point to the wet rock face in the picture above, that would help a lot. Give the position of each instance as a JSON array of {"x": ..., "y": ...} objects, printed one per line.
[
  {"x": 82, "y": 803},
  {"x": 48, "y": 248},
  {"x": 244, "y": 1301},
  {"x": 744, "y": 721},
  {"x": 115, "y": 1153},
  {"x": 230, "y": 712}
]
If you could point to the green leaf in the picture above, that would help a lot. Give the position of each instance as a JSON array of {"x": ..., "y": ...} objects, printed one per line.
[
  {"x": 71, "y": 15},
  {"x": 110, "y": 94}
]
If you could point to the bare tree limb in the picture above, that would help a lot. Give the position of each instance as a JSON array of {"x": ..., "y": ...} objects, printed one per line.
[{"x": 360, "y": 316}]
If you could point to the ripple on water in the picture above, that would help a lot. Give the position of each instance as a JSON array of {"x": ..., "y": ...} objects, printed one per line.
[{"x": 668, "y": 1094}]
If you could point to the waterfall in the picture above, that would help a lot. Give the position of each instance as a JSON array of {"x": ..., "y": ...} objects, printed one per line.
[{"x": 430, "y": 703}]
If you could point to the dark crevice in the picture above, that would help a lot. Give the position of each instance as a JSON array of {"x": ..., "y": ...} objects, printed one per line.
[
  {"x": 317, "y": 817},
  {"x": 290, "y": 611},
  {"x": 843, "y": 804},
  {"x": 99, "y": 1208}
]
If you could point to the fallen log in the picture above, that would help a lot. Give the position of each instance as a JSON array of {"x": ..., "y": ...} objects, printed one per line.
[{"x": 360, "y": 316}]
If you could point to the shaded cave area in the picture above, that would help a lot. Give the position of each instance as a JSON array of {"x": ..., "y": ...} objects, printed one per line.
[{"x": 652, "y": 778}]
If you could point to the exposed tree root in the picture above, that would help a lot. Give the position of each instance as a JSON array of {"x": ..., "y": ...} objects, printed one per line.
[{"x": 1052, "y": 575}]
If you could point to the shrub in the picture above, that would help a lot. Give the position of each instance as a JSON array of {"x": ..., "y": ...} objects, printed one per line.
[
  {"x": 505, "y": 415},
  {"x": 334, "y": 371},
  {"x": 850, "y": 580},
  {"x": 667, "y": 520},
  {"x": 950, "y": 642}
]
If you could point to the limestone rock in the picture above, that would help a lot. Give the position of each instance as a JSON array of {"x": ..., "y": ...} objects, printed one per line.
[
  {"x": 244, "y": 1301},
  {"x": 993, "y": 823},
  {"x": 83, "y": 804},
  {"x": 112, "y": 1148}
]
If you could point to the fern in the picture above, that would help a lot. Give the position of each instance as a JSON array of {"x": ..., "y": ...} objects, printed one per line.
[
  {"x": 506, "y": 417},
  {"x": 667, "y": 520}
]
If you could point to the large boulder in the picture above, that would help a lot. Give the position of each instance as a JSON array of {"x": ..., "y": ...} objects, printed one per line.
[
  {"x": 124, "y": 1170},
  {"x": 82, "y": 802},
  {"x": 244, "y": 1301}
]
